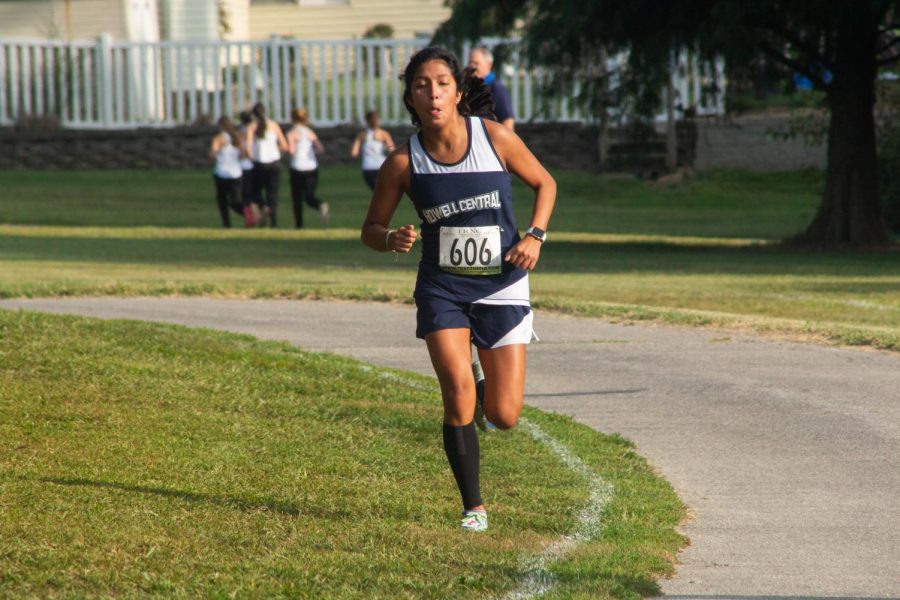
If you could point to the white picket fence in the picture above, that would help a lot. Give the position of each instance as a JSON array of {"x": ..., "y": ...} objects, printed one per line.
[{"x": 117, "y": 85}]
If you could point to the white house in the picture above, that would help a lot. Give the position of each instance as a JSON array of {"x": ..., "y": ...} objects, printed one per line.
[
  {"x": 344, "y": 19},
  {"x": 133, "y": 20},
  {"x": 198, "y": 20}
]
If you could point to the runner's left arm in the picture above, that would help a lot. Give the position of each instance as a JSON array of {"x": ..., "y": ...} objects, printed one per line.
[
  {"x": 393, "y": 181},
  {"x": 521, "y": 162}
]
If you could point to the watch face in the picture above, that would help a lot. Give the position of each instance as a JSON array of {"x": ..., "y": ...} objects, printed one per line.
[{"x": 537, "y": 232}]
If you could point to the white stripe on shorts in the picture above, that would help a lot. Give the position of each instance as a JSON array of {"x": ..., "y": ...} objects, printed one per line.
[
  {"x": 516, "y": 294},
  {"x": 520, "y": 334}
]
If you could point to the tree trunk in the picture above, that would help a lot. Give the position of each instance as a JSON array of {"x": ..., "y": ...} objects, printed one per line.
[{"x": 850, "y": 213}]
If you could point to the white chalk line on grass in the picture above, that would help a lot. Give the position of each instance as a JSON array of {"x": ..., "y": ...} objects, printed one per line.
[{"x": 537, "y": 579}]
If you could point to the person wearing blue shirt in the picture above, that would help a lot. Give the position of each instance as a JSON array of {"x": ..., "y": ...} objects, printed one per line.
[{"x": 482, "y": 61}]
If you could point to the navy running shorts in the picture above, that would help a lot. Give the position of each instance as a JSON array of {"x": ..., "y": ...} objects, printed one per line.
[{"x": 492, "y": 325}]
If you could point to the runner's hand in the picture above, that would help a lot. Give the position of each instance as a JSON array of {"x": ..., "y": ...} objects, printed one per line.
[
  {"x": 402, "y": 240},
  {"x": 525, "y": 254}
]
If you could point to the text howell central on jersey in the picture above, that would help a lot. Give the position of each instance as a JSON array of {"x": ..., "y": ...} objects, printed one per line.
[{"x": 480, "y": 202}]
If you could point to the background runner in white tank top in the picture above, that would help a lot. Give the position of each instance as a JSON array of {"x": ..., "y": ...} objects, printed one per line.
[
  {"x": 304, "y": 145},
  {"x": 264, "y": 136},
  {"x": 249, "y": 193},
  {"x": 228, "y": 159},
  {"x": 304, "y": 156},
  {"x": 225, "y": 150},
  {"x": 373, "y": 152},
  {"x": 265, "y": 147},
  {"x": 374, "y": 144}
]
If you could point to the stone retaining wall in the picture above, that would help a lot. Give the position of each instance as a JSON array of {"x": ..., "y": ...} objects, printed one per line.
[
  {"x": 747, "y": 143},
  {"x": 735, "y": 143},
  {"x": 567, "y": 146}
]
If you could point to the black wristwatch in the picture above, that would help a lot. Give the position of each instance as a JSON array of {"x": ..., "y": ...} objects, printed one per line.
[{"x": 537, "y": 232}]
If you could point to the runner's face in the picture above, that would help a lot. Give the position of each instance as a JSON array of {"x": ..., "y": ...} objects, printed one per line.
[{"x": 434, "y": 93}]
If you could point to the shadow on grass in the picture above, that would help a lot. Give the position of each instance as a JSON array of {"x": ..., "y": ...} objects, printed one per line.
[
  {"x": 242, "y": 504},
  {"x": 561, "y": 257}
]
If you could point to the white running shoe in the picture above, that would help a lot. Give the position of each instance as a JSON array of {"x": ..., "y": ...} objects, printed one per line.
[
  {"x": 474, "y": 520},
  {"x": 325, "y": 213}
]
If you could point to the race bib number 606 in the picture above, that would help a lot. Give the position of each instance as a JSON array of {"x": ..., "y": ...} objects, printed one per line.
[{"x": 470, "y": 250}]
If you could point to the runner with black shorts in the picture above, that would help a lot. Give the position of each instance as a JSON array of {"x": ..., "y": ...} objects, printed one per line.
[
  {"x": 472, "y": 284},
  {"x": 225, "y": 149},
  {"x": 266, "y": 142},
  {"x": 373, "y": 143}
]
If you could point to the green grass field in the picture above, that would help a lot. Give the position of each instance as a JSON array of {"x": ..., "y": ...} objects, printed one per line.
[
  {"x": 724, "y": 205},
  {"x": 150, "y": 460},
  {"x": 697, "y": 254}
]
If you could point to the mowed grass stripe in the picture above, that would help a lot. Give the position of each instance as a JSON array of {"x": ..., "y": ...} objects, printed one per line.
[
  {"x": 729, "y": 204},
  {"x": 342, "y": 234},
  {"x": 740, "y": 284},
  {"x": 145, "y": 459}
]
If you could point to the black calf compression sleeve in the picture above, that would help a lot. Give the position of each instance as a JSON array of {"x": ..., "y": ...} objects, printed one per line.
[{"x": 464, "y": 455}]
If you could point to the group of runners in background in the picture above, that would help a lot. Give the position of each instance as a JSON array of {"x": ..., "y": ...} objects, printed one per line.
[
  {"x": 247, "y": 170},
  {"x": 247, "y": 156}
]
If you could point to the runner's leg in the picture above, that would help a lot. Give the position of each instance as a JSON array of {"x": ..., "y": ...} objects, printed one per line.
[
  {"x": 451, "y": 357},
  {"x": 504, "y": 383}
]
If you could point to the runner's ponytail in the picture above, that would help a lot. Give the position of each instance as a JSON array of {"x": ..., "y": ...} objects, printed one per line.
[{"x": 477, "y": 100}]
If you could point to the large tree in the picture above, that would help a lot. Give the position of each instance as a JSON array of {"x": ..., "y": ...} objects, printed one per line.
[{"x": 839, "y": 45}]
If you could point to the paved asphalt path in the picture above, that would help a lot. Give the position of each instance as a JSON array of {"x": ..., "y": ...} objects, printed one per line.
[{"x": 787, "y": 454}]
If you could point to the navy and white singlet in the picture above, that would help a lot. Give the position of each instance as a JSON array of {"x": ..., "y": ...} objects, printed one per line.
[{"x": 472, "y": 194}]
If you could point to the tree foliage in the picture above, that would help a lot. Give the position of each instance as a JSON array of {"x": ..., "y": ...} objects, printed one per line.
[
  {"x": 839, "y": 45},
  {"x": 571, "y": 35}
]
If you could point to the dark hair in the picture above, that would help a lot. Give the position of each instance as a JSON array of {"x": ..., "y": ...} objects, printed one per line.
[
  {"x": 227, "y": 126},
  {"x": 476, "y": 99},
  {"x": 299, "y": 115},
  {"x": 259, "y": 111},
  {"x": 372, "y": 118},
  {"x": 245, "y": 117}
]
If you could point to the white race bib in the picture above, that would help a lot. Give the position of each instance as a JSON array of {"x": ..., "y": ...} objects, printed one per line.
[{"x": 470, "y": 250}]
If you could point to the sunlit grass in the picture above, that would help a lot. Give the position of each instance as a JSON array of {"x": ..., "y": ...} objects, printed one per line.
[
  {"x": 849, "y": 297},
  {"x": 719, "y": 204},
  {"x": 704, "y": 252},
  {"x": 147, "y": 460}
]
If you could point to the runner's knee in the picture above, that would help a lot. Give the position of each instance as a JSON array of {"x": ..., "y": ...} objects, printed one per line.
[
  {"x": 459, "y": 400},
  {"x": 503, "y": 417}
]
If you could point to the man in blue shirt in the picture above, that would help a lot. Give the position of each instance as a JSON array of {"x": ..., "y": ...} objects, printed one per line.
[{"x": 483, "y": 61}]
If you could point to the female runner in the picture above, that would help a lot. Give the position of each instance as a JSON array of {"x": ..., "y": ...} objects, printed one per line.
[{"x": 472, "y": 283}]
